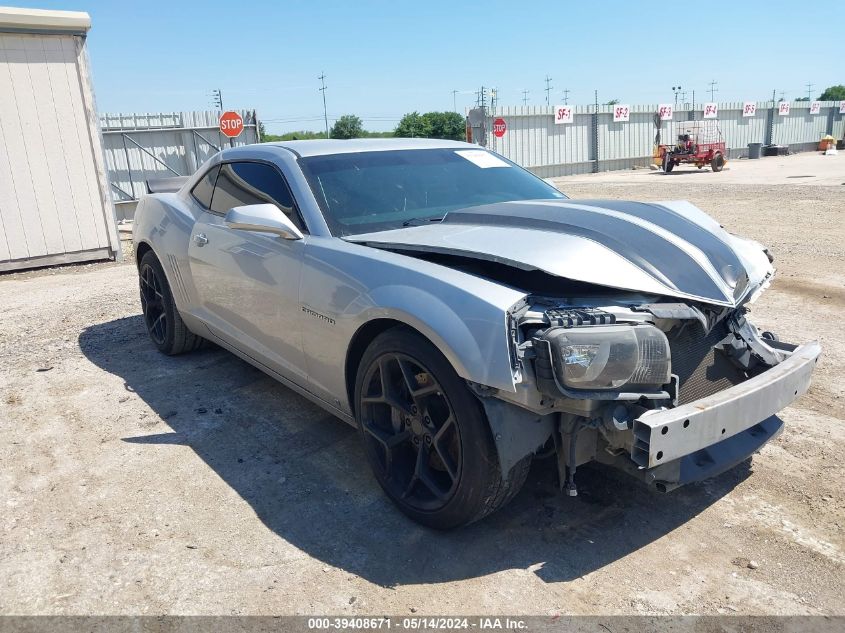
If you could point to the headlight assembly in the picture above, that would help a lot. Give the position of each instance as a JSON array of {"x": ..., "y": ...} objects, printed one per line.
[{"x": 612, "y": 357}]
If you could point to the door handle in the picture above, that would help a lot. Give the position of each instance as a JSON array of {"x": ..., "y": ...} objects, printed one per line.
[{"x": 200, "y": 239}]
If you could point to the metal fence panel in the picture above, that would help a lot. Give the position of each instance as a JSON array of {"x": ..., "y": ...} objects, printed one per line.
[
  {"x": 158, "y": 145},
  {"x": 533, "y": 140}
]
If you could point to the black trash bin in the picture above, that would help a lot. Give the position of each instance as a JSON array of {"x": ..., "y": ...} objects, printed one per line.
[{"x": 754, "y": 150}]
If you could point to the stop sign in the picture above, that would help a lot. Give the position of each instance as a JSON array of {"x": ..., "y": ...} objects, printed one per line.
[
  {"x": 499, "y": 127},
  {"x": 231, "y": 124}
]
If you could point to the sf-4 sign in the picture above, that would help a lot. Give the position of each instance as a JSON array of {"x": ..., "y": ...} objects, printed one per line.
[
  {"x": 665, "y": 112},
  {"x": 563, "y": 114},
  {"x": 783, "y": 108},
  {"x": 749, "y": 108},
  {"x": 711, "y": 110},
  {"x": 621, "y": 113}
]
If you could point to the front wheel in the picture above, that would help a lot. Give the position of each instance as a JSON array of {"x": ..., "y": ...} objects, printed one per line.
[
  {"x": 426, "y": 435},
  {"x": 717, "y": 163},
  {"x": 668, "y": 162}
]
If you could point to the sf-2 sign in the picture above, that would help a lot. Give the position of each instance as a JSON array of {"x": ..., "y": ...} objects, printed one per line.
[
  {"x": 231, "y": 124},
  {"x": 499, "y": 127},
  {"x": 563, "y": 114},
  {"x": 621, "y": 113}
]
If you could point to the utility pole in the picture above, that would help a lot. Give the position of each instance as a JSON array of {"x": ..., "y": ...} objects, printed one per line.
[
  {"x": 566, "y": 96},
  {"x": 493, "y": 99},
  {"x": 218, "y": 98},
  {"x": 713, "y": 90},
  {"x": 454, "y": 103},
  {"x": 809, "y": 92},
  {"x": 525, "y": 97},
  {"x": 548, "y": 88},
  {"x": 322, "y": 79}
]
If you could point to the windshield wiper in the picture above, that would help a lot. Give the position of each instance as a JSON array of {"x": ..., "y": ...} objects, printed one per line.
[{"x": 421, "y": 221}]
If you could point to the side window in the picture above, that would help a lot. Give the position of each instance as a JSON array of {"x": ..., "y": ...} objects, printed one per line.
[
  {"x": 242, "y": 183},
  {"x": 204, "y": 189}
]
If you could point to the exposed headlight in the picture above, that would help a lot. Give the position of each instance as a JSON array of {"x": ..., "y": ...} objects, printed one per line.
[{"x": 610, "y": 357}]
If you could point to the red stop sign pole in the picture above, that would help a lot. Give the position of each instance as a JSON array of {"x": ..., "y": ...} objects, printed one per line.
[
  {"x": 499, "y": 127},
  {"x": 231, "y": 124}
]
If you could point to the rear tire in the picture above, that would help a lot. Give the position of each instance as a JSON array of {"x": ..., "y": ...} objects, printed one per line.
[
  {"x": 426, "y": 435},
  {"x": 164, "y": 324},
  {"x": 717, "y": 163},
  {"x": 668, "y": 163}
]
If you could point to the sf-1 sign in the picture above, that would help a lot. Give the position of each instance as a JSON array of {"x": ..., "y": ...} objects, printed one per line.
[
  {"x": 563, "y": 114},
  {"x": 231, "y": 124},
  {"x": 621, "y": 113}
]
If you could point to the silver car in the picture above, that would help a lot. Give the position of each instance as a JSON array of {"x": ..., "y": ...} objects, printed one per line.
[{"x": 466, "y": 316}]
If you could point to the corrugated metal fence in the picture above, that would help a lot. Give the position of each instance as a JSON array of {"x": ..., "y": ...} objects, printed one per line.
[
  {"x": 142, "y": 146},
  {"x": 593, "y": 142}
]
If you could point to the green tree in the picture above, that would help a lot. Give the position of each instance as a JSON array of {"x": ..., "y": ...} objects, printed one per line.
[
  {"x": 347, "y": 126},
  {"x": 446, "y": 125},
  {"x": 612, "y": 102},
  {"x": 413, "y": 125},
  {"x": 834, "y": 93}
]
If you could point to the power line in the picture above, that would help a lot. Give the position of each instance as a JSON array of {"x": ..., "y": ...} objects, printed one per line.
[
  {"x": 548, "y": 88},
  {"x": 322, "y": 79},
  {"x": 713, "y": 90}
]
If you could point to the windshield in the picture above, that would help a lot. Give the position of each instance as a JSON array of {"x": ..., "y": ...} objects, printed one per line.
[{"x": 376, "y": 191}]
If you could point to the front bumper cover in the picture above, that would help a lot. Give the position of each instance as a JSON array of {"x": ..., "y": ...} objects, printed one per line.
[{"x": 721, "y": 430}]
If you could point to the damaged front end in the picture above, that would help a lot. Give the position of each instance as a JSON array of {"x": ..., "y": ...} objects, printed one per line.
[{"x": 670, "y": 392}]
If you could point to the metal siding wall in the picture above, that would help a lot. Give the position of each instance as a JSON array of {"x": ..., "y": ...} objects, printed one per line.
[
  {"x": 534, "y": 141},
  {"x": 50, "y": 203},
  {"x": 171, "y": 144}
]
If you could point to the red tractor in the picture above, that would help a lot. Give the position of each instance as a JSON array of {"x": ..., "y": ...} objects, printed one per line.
[{"x": 699, "y": 143}]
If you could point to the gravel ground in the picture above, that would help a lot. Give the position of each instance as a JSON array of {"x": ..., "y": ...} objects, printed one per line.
[{"x": 135, "y": 483}]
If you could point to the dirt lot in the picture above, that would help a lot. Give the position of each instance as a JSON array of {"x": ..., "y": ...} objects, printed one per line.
[{"x": 135, "y": 483}]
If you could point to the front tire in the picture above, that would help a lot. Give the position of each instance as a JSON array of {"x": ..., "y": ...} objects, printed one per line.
[
  {"x": 668, "y": 163},
  {"x": 426, "y": 435},
  {"x": 164, "y": 324}
]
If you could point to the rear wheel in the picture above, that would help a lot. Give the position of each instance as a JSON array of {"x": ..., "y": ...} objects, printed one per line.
[
  {"x": 166, "y": 329},
  {"x": 668, "y": 162},
  {"x": 426, "y": 435},
  {"x": 717, "y": 163}
]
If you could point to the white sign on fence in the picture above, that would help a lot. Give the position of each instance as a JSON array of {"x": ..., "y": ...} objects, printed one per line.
[
  {"x": 711, "y": 110},
  {"x": 665, "y": 111},
  {"x": 563, "y": 114},
  {"x": 621, "y": 113},
  {"x": 842, "y": 107},
  {"x": 783, "y": 108},
  {"x": 749, "y": 108},
  {"x": 815, "y": 107}
]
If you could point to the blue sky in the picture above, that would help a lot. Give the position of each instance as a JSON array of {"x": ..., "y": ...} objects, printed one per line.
[{"x": 382, "y": 59}]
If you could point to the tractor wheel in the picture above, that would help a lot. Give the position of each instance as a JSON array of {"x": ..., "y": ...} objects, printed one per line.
[
  {"x": 717, "y": 163},
  {"x": 668, "y": 162}
]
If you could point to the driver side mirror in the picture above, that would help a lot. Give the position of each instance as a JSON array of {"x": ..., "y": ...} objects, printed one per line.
[{"x": 263, "y": 218}]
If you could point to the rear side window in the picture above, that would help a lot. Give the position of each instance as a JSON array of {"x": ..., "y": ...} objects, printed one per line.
[
  {"x": 242, "y": 183},
  {"x": 204, "y": 189}
]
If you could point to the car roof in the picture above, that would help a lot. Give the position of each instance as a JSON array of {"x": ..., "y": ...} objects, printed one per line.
[{"x": 322, "y": 147}]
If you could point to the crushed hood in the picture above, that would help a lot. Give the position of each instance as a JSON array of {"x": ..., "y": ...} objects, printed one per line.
[{"x": 666, "y": 248}]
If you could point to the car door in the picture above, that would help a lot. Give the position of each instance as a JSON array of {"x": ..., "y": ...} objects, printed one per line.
[{"x": 247, "y": 282}]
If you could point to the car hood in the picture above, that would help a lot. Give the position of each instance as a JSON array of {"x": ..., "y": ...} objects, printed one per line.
[{"x": 666, "y": 248}]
